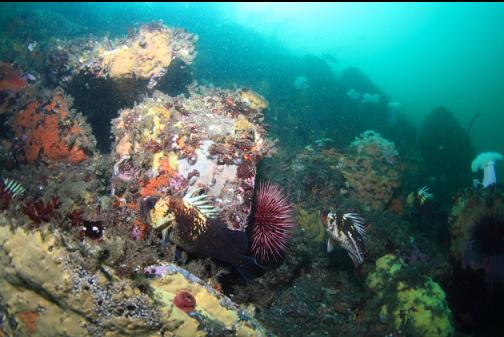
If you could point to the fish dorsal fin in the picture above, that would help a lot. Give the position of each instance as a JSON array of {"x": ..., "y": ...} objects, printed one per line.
[
  {"x": 202, "y": 203},
  {"x": 356, "y": 222}
]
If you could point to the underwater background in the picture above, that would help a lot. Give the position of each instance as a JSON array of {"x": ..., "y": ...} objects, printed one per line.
[{"x": 251, "y": 169}]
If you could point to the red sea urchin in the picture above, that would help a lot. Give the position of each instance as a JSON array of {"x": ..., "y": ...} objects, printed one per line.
[
  {"x": 272, "y": 223},
  {"x": 486, "y": 247}
]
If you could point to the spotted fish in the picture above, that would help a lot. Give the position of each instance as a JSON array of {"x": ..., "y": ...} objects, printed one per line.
[{"x": 195, "y": 227}]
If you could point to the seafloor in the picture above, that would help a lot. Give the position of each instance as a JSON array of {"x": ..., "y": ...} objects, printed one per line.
[{"x": 103, "y": 135}]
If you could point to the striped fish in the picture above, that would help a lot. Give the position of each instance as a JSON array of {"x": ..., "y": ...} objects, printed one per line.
[
  {"x": 14, "y": 188},
  {"x": 195, "y": 227},
  {"x": 347, "y": 230}
]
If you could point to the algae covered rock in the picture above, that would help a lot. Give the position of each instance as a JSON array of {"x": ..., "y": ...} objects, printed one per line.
[
  {"x": 12, "y": 85},
  {"x": 210, "y": 312},
  {"x": 476, "y": 231},
  {"x": 311, "y": 225},
  {"x": 51, "y": 131},
  {"x": 33, "y": 281},
  {"x": 46, "y": 290},
  {"x": 211, "y": 140},
  {"x": 145, "y": 54},
  {"x": 372, "y": 169},
  {"x": 386, "y": 267},
  {"x": 411, "y": 305}
]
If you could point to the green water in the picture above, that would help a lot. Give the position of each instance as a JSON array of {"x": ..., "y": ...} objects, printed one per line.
[{"x": 422, "y": 55}]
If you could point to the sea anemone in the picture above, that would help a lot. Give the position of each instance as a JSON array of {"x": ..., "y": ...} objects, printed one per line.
[
  {"x": 184, "y": 301},
  {"x": 486, "y": 161},
  {"x": 368, "y": 98},
  {"x": 486, "y": 247},
  {"x": 272, "y": 223}
]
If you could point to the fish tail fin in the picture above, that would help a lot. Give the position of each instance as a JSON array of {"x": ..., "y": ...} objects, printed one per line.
[{"x": 249, "y": 268}]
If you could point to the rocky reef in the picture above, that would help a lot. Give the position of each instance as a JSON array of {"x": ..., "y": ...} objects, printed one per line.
[
  {"x": 104, "y": 129},
  {"x": 372, "y": 169},
  {"x": 442, "y": 136},
  {"x": 368, "y": 171},
  {"x": 47, "y": 290},
  {"x": 106, "y": 74},
  {"x": 473, "y": 211},
  {"x": 145, "y": 54},
  {"x": 78, "y": 261},
  {"x": 48, "y": 129},
  {"x": 410, "y": 303},
  {"x": 476, "y": 234},
  {"x": 210, "y": 141},
  {"x": 11, "y": 85}
]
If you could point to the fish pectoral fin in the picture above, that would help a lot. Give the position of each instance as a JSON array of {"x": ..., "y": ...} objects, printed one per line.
[
  {"x": 249, "y": 268},
  {"x": 330, "y": 245},
  {"x": 178, "y": 258},
  {"x": 164, "y": 238},
  {"x": 353, "y": 251}
]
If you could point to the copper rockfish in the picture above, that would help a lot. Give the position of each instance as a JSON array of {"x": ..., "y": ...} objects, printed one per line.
[
  {"x": 347, "y": 229},
  {"x": 194, "y": 226}
]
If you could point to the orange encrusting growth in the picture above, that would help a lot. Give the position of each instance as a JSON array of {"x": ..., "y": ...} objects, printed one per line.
[
  {"x": 142, "y": 229},
  {"x": 29, "y": 319},
  {"x": 10, "y": 80},
  {"x": 40, "y": 127},
  {"x": 152, "y": 186},
  {"x": 25, "y": 118},
  {"x": 396, "y": 206}
]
